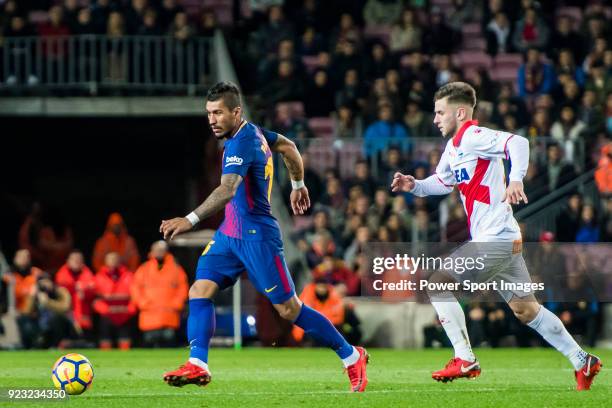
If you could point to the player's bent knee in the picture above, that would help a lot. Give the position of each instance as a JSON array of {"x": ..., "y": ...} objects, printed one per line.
[
  {"x": 526, "y": 311},
  {"x": 290, "y": 309},
  {"x": 438, "y": 284},
  {"x": 203, "y": 288}
]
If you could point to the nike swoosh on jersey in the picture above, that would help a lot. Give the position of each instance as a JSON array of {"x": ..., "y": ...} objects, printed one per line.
[
  {"x": 271, "y": 289},
  {"x": 468, "y": 368}
]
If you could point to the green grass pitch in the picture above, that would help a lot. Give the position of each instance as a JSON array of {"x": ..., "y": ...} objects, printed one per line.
[{"x": 255, "y": 377}]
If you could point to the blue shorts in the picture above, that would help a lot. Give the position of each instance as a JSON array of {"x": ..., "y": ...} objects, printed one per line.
[{"x": 225, "y": 258}]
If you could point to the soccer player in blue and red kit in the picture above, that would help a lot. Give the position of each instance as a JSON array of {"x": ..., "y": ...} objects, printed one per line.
[{"x": 249, "y": 239}]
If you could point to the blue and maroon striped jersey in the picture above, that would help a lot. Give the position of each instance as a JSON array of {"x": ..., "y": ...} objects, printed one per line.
[{"x": 248, "y": 215}]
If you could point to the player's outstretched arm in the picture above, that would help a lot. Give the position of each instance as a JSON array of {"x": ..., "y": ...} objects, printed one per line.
[
  {"x": 432, "y": 185},
  {"x": 401, "y": 182},
  {"x": 440, "y": 183},
  {"x": 214, "y": 203},
  {"x": 300, "y": 200}
]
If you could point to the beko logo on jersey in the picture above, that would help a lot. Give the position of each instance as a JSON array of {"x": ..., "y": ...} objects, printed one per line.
[
  {"x": 233, "y": 161},
  {"x": 461, "y": 175}
]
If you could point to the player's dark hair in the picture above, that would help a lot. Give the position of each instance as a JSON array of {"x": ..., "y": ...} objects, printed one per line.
[
  {"x": 226, "y": 91},
  {"x": 457, "y": 92}
]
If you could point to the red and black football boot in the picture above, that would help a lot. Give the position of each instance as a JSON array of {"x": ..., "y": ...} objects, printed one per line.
[
  {"x": 188, "y": 373},
  {"x": 457, "y": 368},
  {"x": 357, "y": 372},
  {"x": 586, "y": 375}
]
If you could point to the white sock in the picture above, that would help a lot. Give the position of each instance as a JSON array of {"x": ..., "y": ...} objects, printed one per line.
[
  {"x": 554, "y": 332},
  {"x": 452, "y": 319},
  {"x": 352, "y": 359},
  {"x": 199, "y": 363}
]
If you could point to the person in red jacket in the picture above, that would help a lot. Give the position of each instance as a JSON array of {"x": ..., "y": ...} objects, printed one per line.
[
  {"x": 335, "y": 271},
  {"x": 55, "y": 45},
  {"x": 80, "y": 282},
  {"x": 113, "y": 304},
  {"x": 48, "y": 240},
  {"x": 116, "y": 239}
]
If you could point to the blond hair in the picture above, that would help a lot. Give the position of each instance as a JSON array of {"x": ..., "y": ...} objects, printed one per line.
[{"x": 457, "y": 92}]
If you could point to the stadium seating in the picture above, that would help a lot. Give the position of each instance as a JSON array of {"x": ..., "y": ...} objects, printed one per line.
[
  {"x": 472, "y": 59},
  {"x": 322, "y": 127},
  {"x": 295, "y": 108},
  {"x": 322, "y": 155},
  {"x": 381, "y": 33},
  {"x": 311, "y": 63},
  {"x": 575, "y": 13}
]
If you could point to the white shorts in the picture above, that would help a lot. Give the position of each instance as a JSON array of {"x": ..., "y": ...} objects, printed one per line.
[{"x": 500, "y": 262}]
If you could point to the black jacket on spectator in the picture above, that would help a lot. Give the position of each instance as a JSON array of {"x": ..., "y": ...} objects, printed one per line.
[
  {"x": 367, "y": 185},
  {"x": 82, "y": 29},
  {"x": 99, "y": 18},
  {"x": 27, "y": 31},
  {"x": 493, "y": 44},
  {"x": 283, "y": 90},
  {"x": 342, "y": 63},
  {"x": 566, "y": 174},
  {"x": 149, "y": 30},
  {"x": 425, "y": 74},
  {"x": 440, "y": 39},
  {"x": 606, "y": 228},
  {"x": 268, "y": 68},
  {"x": 133, "y": 20},
  {"x": 572, "y": 41},
  {"x": 269, "y": 35},
  {"x": 319, "y": 101},
  {"x": 71, "y": 18},
  {"x": 377, "y": 69},
  {"x": 349, "y": 95},
  {"x": 166, "y": 16},
  {"x": 536, "y": 188},
  {"x": 568, "y": 223}
]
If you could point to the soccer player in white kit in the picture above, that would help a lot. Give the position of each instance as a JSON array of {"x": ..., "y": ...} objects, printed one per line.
[{"x": 473, "y": 161}]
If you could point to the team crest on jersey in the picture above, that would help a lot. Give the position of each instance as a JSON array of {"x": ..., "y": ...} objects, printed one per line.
[
  {"x": 233, "y": 161},
  {"x": 461, "y": 175}
]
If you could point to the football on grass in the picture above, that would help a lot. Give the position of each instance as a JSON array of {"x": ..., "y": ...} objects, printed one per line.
[{"x": 72, "y": 373}]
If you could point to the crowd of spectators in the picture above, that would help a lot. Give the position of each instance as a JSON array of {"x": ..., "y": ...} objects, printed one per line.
[
  {"x": 72, "y": 305},
  {"x": 53, "y": 21},
  {"x": 110, "y": 17},
  {"x": 370, "y": 69}
]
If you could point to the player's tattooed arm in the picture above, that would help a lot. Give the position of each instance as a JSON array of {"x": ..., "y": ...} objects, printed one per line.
[
  {"x": 220, "y": 196},
  {"x": 299, "y": 199},
  {"x": 291, "y": 157},
  {"x": 213, "y": 203}
]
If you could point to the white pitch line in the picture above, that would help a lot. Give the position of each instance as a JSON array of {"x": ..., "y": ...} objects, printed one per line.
[{"x": 332, "y": 392}]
